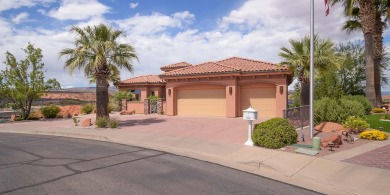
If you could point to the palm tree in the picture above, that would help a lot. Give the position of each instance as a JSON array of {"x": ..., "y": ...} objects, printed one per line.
[
  {"x": 298, "y": 60},
  {"x": 97, "y": 52},
  {"x": 367, "y": 15}
]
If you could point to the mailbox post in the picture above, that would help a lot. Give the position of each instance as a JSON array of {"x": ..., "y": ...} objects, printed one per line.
[{"x": 250, "y": 115}]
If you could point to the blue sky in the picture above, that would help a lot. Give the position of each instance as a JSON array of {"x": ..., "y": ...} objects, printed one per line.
[{"x": 166, "y": 31}]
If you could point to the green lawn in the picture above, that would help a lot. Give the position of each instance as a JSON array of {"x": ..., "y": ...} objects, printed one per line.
[{"x": 375, "y": 123}]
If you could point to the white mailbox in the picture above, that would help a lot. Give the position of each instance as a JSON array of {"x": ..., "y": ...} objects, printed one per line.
[{"x": 250, "y": 114}]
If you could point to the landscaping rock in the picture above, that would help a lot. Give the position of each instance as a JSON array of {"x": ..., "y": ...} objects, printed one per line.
[
  {"x": 336, "y": 139},
  {"x": 86, "y": 123},
  {"x": 12, "y": 119},
  {"x": 329, "y": 127},
  {"x": 125, "y": 113}
]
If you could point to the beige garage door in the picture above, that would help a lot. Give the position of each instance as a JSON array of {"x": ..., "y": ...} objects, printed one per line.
[
  {"x": 261, "y": 97},
  {"x": 201, "y": 100}
]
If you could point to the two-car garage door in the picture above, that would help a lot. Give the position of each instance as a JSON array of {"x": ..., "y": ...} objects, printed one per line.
[
  {"x": 210, "y": 100},
  {"x": 201, "y": 100}
]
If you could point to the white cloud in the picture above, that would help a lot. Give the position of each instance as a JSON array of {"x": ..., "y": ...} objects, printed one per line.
[
  {"x": 133, "y": 5},
  {"x": 20, "y": 17},
  {"x": 255, "y": 30},
  {"x": 78, "y": 10},
  {"x": 14, "y": 4},
  {"x": 155, "y": 23}
]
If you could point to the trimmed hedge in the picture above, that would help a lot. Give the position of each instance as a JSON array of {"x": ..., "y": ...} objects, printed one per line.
[{"x": 274, "y": 133}]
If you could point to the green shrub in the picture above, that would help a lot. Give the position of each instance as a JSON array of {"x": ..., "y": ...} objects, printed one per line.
[
  {"x": 50, "y": 111},
  {"x": 385, "y": 117},
  {"x": 111, "y": 107},
  {"x": 114, "y": 123},
  {"x": 87, "y": 108},
  {"x": 332, "y": 110},
  {"x": 102, "y": 122},
  {"x": 18, "y": 118},
  {"x": 351, "y": 108},
  {"x": 362, "y": 100},
  {"x": 356, "y": 124},
  {"x": 274, "y": 133},
  {"x": 33, "y": 117},
  {"x": 378, "y": 110}
]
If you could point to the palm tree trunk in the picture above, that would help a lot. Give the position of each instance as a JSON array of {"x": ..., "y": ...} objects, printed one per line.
[
  {"x": 305, "y": 93},
  {"x": 101, "y": 97},
  {"x": 378, "y": 49},
  {"x": 370, "y": 70},
  {"x": 367, "y": 15}
]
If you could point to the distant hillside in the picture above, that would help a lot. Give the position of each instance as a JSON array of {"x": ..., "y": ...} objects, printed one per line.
[
  {"x": 83, "y": 90},
  {"x": 80, "y": 93}
]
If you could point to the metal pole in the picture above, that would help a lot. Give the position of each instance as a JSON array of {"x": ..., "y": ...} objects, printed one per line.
[{"x": 311, "y": 67}]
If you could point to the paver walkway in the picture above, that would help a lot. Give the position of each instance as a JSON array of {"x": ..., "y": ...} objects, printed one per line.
[{"x": 379, "y": 158}]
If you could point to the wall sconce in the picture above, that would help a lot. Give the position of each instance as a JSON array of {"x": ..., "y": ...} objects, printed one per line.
[
  {"x": 169, "y": 92},
  {"x": 281, "y": 89},
  {"x": 230, "y": 90}
]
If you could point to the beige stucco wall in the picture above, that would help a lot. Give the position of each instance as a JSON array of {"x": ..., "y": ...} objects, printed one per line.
[{"x": 137, "y": 106}]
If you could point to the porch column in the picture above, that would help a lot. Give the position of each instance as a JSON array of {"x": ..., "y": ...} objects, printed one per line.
[
  {"x": 170, "y": 98},
  {"x": 124, "y": 105},
  {"x": 231, "y": 99},
  {"x": 281, "y": 99},
  {"x": 160, "y": 109},
  {"x": 146, "y": 106}
]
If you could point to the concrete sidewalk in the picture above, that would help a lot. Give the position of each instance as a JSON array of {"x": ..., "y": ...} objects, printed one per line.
[{"x": 219, "y": 140}]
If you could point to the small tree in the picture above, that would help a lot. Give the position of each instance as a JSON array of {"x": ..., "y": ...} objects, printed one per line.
[
  {"x": 122, "y": 95},
  {"x": 22, "y": 82}
]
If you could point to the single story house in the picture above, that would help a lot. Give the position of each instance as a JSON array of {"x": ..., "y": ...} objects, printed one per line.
[{"x": 220, "y": 88}]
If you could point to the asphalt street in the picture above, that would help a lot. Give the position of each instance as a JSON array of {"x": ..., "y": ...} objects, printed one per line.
[{"x": 32, "y": 164}]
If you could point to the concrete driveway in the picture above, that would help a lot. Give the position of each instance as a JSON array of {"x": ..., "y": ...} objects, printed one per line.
[{"x": 214, "y": 129}]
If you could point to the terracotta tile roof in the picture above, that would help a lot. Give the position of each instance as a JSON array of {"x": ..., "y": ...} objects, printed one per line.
[
  {"x": 177, "y": 65},
  {"x": 143, "y": 80},
  {"x": 205, "y": 68},
  {"x": 233, "y": 64},
  {"x": 248, "y": 65}
]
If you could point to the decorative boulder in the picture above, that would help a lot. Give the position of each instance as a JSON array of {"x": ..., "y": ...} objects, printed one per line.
[
  {"x": 335, "y": 139},
  {"x": 86, "y": 123},
  {"x": 13, "y": 116}
]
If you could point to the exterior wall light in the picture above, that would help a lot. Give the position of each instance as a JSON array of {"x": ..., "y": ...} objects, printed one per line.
[
  {"x": 230, "y": 90},
  {"x": 169, "y": 92},
  {"x": 281, "y": 89}
]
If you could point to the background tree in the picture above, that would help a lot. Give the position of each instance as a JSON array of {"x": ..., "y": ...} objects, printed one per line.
[
  {"x": 22, "y": 82},
  {"x": 98, "y": 51},
  {"x": 298, "y": 60},
  {"x": 349, "y": 78},
  {"x": 367, "y": 15}
]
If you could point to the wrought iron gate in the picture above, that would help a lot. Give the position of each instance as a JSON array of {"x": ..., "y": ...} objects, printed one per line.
[{"x": 153, "y": 105}]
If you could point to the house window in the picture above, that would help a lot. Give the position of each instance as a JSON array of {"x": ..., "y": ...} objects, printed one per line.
[{"x": 136, "y": 95}]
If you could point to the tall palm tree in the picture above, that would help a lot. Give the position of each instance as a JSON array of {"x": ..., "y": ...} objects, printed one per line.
[
  {"x": 97, "y": 52},
  {"x": 367, "y": 15},
  {"x": 298, "y": 60}
]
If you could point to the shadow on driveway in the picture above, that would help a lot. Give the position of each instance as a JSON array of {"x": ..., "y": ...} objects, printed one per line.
[{"x": 144, "y": 122}]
